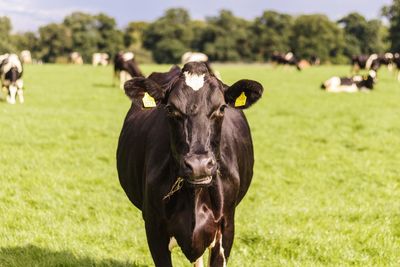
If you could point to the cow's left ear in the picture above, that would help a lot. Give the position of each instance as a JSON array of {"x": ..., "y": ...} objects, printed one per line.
[{"x": 243, "y": 93}]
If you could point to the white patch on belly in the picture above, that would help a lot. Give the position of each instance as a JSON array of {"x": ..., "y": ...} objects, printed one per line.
[
  {"x": 194, "y": 81},
  {"x": 172, "y": 243},
  {"x": 343, "y": 88},
  {"x": 332, "y": 82}
]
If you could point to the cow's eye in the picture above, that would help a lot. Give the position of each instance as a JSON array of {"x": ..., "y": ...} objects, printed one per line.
[
  {"x": 222, "y": 109},
  {"x": 173, "y": 112},
  {"x": 219, "y": 112}
]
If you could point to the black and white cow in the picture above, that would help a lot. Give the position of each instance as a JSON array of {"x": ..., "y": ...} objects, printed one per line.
[
  {"x": 285, "y": 59},
  {"x": 125, "y": 67},
  {"x": 185, "y": 159},
  {"x": 11, "y": 77},
  {"x": 371, "y": 62},
  {"x": 350, "y": 84}
]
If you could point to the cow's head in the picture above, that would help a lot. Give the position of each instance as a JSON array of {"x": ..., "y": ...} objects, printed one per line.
[{"x": 195, "y": 102}]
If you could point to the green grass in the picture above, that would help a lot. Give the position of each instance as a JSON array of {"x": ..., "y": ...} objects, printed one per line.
[{"x": 326, "y": 187}]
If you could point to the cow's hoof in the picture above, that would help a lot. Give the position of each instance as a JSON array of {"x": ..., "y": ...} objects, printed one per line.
[{"x": 10, "y": 101}]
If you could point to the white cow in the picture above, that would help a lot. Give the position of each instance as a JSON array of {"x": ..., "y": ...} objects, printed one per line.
[
  {"x": 26, "y": 57},
  {"x": 76, "y": 58},
  {"x": 100, "y": 59}
]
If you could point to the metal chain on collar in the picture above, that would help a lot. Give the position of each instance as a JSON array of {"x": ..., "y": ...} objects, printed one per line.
[{"x": 175, "y": 187}]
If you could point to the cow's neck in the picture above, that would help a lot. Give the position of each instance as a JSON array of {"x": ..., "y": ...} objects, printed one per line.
[{"x": 195, "y": 215}]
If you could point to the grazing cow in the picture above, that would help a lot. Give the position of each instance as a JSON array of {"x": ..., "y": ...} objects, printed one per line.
[
  {"x": 285, "y": 59},
  {"x": 26, "y": 57},
  {"x": 125, "y": 67},
  {"x": 315, "y": 60},
  {"x": 11, "y": 77},
  {"x": 350, "y": 85},
  {"x": 100, "y": 59},
  {"x": 185, "y": 159},
  {"x": 371, "y": 62},
  {"x": 75, "y": 58}
]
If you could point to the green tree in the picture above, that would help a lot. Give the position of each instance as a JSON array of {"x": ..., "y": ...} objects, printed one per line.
[
  {"x": 85, "y": 35},
  {"x": 169, "y": 36},
  {"x": 27, "y": 41},
  {"x": 55, "y": 41},
  {"x": 392, "y": 13},
  {"x": 362, "y": 36},
  {"x": 227, "y": 38},
  {"x": 110, "y": 38},
  {"x": 317, "y": 35},
  {"x": 133, "y": 34},
  {"x": 272, "y": 33},
  {"x": 5, "y": 38}
]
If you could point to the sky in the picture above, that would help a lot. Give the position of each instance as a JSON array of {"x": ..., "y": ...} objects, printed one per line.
[{"x": 29, "y": 15}]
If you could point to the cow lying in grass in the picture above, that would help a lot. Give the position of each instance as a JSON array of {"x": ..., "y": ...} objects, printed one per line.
[{"x": 350, "y": 84}]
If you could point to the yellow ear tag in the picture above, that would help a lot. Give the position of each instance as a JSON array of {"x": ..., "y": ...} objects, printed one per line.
[
  {"x": 148, "y": 101},
  {"x": 241, "y": 100}
]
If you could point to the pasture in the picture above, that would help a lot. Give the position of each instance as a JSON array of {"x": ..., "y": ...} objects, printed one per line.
[{"x": 325, "y": 192}]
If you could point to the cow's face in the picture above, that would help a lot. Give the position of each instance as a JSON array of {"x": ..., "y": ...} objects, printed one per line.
[{"x": 195, "y": 102}]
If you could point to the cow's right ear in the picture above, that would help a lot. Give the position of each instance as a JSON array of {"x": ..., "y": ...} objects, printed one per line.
[{"x": 136, "y": 88}]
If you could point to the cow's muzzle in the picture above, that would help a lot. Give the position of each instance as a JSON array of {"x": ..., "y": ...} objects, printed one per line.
[{"x": 199, "y": 168}]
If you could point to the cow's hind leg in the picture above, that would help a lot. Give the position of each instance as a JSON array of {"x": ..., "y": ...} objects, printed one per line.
[{"x": 158, "y": 241}]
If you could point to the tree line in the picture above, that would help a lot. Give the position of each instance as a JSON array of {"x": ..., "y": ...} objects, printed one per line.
[{"x": 224, "y": 38}]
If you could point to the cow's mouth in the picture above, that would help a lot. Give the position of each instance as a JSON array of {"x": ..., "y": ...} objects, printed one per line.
[{"x": 199, "y": 180}]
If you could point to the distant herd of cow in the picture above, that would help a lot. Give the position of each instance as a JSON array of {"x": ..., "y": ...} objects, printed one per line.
[{"x": 125, "y": 68}]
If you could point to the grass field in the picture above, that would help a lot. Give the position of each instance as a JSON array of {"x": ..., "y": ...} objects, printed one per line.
[{"x": 326, "y": 189}]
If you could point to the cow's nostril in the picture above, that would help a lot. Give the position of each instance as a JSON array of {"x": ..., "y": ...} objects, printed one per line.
[
  {"x": 210, "y": 164},
  {"x": 188, "y": 166}
]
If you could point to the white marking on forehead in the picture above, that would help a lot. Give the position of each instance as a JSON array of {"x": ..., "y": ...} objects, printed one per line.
[{"x": 194, "y": 81}]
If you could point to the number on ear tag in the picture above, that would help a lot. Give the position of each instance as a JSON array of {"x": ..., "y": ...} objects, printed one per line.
[
  {"x": 148, "y": 101},
  {"x": 241, "y": 100}
]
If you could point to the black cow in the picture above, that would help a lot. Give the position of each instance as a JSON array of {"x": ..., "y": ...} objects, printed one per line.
[
  {"x": 187, "y": 162},
  {"x": 371, "y": 62},
  {"x": 285, "y": 59},
  {"x": 125, "y": 67},
  {"x": 350, "y": 84},
  {"x": 11, "y": 77}
]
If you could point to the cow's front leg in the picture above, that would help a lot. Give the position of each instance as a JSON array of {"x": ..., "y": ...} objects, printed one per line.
[
  {"x": 223, "y": 244},
  {"x": 158, "y": 241}
]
